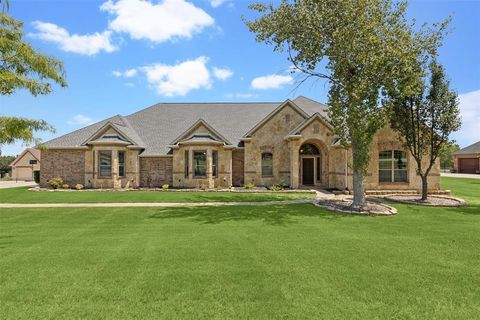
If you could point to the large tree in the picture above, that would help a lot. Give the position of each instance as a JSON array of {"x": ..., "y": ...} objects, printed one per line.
[
  {"x": 426, "y": 120},
  {"x": 366, "y": 50},
  {"x": 21, "y": 67}
]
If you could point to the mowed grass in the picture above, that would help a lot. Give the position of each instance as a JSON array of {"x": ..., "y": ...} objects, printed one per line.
[
  {"x": 23, "y": 195},
  {"x": 279, "y": 261}
]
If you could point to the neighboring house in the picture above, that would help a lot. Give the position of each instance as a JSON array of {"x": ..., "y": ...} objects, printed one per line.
[
  {"x": 25, "y": 164},
  {"x": 467, "y": 160},
  {"x": 223, "y": 144}
]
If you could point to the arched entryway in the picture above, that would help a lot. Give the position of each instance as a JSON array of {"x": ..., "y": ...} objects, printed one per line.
[{"x": 310, "y": 165}]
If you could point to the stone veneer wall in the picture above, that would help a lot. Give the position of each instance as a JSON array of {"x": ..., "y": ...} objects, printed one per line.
[
  {"x": 238, "y": 167},
  {"x": 66, "y": 164},
  {"x": 155, "y": 171},
  {"x": 270, "y": 138},
  {"x": 384, "y": 139}
]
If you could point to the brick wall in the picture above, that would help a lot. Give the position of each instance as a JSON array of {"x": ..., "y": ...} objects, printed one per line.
[
  {"x": 155, "y": 171},
  {"x": 238, "y": 161},
  {"x": 66, "y": 164}
]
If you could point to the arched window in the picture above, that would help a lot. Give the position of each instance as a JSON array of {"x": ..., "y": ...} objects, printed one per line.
[
  {"x": 267, "y": 164},
  {"x": 309, "y": 149},
  {"x": 392, "y": 166}
]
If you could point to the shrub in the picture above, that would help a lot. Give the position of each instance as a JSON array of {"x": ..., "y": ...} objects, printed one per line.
[
  {"x": 65, "y": 186},
  {"x": 36, "y": 176},
  {"x": 276, "y": 187},
  {"x": 79, "y": 186},
  {"x": 55, "y": 183},
  {"x": 166, "y": 186},
  {"x": 249, "y": 185}
]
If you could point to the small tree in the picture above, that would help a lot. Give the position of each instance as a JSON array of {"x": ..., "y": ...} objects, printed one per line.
[
  {"x": 370, "y": 52},
  {"x": 21, "y": 67},
  {"x": 426, "y": 120},
  {"x": 5, "y": 162},
  {"x": 446, "y": 154}
]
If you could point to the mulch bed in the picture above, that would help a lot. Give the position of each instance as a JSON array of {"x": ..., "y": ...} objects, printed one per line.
[
  {"x": 432, "y": 200},
  {"x": 345, "y": 206}
]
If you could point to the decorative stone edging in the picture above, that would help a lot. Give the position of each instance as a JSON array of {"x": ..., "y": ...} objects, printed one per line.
[
  {"x": 333, "y": 205},
  {"x": 458, "y": 201}
]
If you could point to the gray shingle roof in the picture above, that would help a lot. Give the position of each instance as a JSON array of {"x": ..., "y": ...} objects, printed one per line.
[
  {"x": 155, "y": 127},
  {"x": 473, "y": 148}
]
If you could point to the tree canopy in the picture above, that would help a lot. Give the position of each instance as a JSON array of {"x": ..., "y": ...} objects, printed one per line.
[
  {"x": 21, "y": 67},
  {"x": 366, "y": 49},
  {"x": 426, "y": 120}
]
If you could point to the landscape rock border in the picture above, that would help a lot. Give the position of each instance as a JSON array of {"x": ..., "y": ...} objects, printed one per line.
[
  {"x": 342, "y": 205},
  {"x": 444, "y": 201}
]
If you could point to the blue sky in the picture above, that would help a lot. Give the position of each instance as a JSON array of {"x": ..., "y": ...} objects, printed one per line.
[{"x": 122, "y": 56}]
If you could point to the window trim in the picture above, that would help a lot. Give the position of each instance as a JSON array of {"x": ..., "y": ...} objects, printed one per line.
[
  {"x": 392, "y": 170},
  {"x": 195, "y": 164},
  {"x": 121, "y": 165},
  {"x": 100, "y": 164},
  {"x": 267, "y": 175}
]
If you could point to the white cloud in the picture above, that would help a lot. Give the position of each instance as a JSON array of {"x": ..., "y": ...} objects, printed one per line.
[
  {"x": 80, "y": 119},
  {"x": 178, "y": 79},
  {"x": 89, "y": 44},
  {"x": 222, "y": 73},
  {"x": 217, "y": 3},
  {"x": 470, "y": 113},
  {"x": 126, "y": 74},
  {"x": 273, "y": 81},
  {"x": 241, "y": 95},
  {"x": 157, "y": 22}
]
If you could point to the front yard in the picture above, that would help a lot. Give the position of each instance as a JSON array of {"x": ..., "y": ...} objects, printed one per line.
[
  {"x": 279, "y": 261},
  {"x": 23, "y": 195}
]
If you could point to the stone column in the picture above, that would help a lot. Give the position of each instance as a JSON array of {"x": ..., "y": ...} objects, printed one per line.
[
  {"x": 210, "y": 181},
  {"x": 190, "y": 163},
  {"x": 116, "y": 183},
  {"x": 294, "y": 164},
  {"x": 229, "y": 181}
]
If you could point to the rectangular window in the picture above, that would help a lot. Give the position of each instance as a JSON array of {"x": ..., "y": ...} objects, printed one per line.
[
  {"x": 267, "y": 165},
  {"x": 33, "y": 162},
  {"x": 186, "y": 164},
  {"x": 214, "y": 163},
  {"x": 392, "y": 166},
  {"x": 200, "y": 163},
  {"x": 105, "y": 163},
  {"x": 121, "y": 163}
]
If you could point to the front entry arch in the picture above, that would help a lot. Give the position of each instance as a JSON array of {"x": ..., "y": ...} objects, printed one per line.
[{"x": 310, "y": 165}]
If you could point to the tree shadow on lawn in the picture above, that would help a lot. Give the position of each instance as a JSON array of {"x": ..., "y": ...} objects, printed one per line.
[{"x": 275, "y": 215}]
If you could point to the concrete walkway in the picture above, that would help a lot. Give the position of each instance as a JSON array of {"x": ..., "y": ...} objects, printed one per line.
[
  {"x": 151, "y": 204},
  {"x": 460, "y": 175},
  {"x": 14, "y": 184}
]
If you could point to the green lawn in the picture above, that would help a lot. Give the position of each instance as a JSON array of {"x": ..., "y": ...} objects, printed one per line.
[
  {"x": 22, "y": 195},
  {"x": 289, "y": 262}
]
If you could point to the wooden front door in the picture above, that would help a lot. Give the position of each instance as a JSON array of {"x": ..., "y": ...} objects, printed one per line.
[{"x": 308, "y": 171}]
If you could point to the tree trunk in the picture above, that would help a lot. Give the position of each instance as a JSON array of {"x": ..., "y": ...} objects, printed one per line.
[
  {"x": 358, "y": 190},
  {"x": 424, "y": 187}
]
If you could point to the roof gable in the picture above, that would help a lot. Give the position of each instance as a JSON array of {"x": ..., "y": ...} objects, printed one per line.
[
  {"x": 189, "y": 133},
  {"x": 287, "y": 103},
  {"x": 304, "y": 124},
  {"x": 34, "y": 152},
  {"x": 97, "y": 135}
]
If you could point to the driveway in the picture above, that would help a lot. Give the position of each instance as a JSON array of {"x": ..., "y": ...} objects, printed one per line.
[
  {"x": 14, "y": 184},
  {"x": 460, "y": 175}
]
